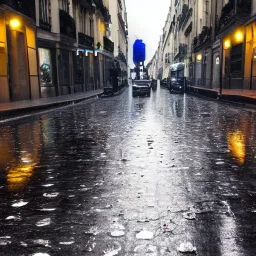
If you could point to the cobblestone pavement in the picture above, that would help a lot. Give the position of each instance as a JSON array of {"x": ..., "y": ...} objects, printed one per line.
[{"x": 130, "y": 176}]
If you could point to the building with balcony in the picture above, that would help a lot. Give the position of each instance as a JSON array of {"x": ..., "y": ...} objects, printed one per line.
[
  {"x": 167, "y": 44},
  {"x": 56, "y": 47},
  {"x": 235, "y": 28},
  {"x": 200, "y": 44},
  {"x": 18, "y": 51},
  {"x": 118, "y": 34}
]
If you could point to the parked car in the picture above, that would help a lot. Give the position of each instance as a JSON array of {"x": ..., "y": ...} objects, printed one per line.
[
  {"x": 141, "y": 88},
  {"x": 163, "y": 82},
  {"x": 176, "y": 78}
]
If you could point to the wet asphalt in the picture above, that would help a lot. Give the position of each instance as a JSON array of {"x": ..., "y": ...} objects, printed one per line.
[{"x": 130, "y": 176}]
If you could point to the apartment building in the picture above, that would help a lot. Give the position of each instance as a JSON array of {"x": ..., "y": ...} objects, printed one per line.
[
  {"x": 58, "y": 47},
  {"x": 18, "y": 51}
]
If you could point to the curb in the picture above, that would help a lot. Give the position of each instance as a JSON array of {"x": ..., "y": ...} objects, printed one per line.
[
  {"x": 114, "y": 94},
  {"x": 31, "y": 109},
  {"x": 236, "y": 100}
]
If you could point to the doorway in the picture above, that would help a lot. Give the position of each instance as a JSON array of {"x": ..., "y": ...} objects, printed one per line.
[{"x": 18, "y": 66}]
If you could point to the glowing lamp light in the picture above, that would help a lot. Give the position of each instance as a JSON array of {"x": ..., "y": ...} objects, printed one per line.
[
  {"x": 199, "y": 57},
  {"x": 14, "y": 23},
  {"x": 227, "y": 44},
  {"x": 239, "y": 36}
]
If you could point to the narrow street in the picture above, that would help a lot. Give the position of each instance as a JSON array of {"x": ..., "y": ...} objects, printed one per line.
[{"x": 130, "y": 176}]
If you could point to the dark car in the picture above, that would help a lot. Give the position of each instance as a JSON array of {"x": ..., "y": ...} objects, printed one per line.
[
  {"x": 176, "y": 78},
  {"x": 141, "y": 88}
]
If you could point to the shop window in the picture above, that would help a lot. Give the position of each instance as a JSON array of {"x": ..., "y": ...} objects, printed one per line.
[
  {"x": 45, "y": 66},
  {"x": 44, "y": 10},
  {"x": 236, "y": 59}
]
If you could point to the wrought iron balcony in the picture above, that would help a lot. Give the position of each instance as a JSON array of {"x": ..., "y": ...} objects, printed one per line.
[
  {"x": 183, "y": 49},
  {"x": 44, "y": 25},
  {"x": 67, "y": 24},
  {"x": 120, "y": 4},
  {"x": 122, "y": 22},
  {"x": 26, "y": 7},
  {"x": 108, "y": 44},
  {"x": 183, "y": 15},
  {"x": 85, "y": 40},
  {"x": 104, "y": 11},
  {"x": 87, "y": 4},
  {"x": 232, "y": 11},
  {"x": 121, "y": 55},
  {"x": 203, "y": 38}
]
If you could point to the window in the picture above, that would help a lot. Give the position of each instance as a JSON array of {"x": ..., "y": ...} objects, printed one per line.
[
  {"x": 167, "y": 58},
  {"x": 44, "y": 11},
  {"x": 82, "y": 19},
  {"x": 64, "y": 5},
  {"x": 236, "y": 59},
  {"x": 91, "y": 27}
]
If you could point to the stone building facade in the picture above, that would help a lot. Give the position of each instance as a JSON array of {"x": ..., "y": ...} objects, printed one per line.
[
  {"x": 216, "y": 41},
  {"x": 57, "y": 47}
]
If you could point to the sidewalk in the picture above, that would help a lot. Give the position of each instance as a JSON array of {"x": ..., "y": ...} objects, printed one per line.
[
  {"x": 232, "y": 95},
  {"x": 22, "y": 107}
]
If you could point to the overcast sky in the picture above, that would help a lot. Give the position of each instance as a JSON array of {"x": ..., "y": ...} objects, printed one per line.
[{"x": 146, "y": 19}]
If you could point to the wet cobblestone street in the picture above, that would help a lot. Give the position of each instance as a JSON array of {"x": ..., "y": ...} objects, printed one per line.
[{"x": 130, "y": 176}]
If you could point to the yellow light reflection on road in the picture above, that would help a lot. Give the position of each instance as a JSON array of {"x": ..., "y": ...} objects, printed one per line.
[
  {"x": 18, "y": 177},
  {"x": 236, "y": 145}
]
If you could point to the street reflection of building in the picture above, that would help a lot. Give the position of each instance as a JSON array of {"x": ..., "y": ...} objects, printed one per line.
[
  {"x": 59, "y": 47},
  {"x": 18, "y": 51},
  {"x": 19, "y": 153}
]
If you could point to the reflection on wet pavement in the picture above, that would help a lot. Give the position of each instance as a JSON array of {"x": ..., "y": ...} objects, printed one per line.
[{"x": 130, "y": 176}]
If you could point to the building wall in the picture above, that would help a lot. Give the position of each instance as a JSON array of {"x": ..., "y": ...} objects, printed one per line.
[{"x": 4, "y": 88}]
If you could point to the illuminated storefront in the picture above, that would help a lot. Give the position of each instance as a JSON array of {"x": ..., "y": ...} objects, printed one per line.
[
  {"x": 18, "y": 69},
  {"x": 233, "y": 59},
  {"x": 250, "y": 57}
]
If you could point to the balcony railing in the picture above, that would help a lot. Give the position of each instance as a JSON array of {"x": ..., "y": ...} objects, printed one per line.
[
  {"x": 85, "y": 40},
  {"x": 203, "y": 38},
  {"x": 104, "y": 11},
  {"x": 183, "y": 15},
  {"x": 44, "y": 25},
  {"x": 183, "y": 49},
  {"x": 120, "y": 4},
  {"x": 233, "y": 9},
  {"x": 67, "y": 24},
  {"x": 26, "y": 7},
  {"x": 108, "y": 44},
  {"x": 122, "y": 22},
  {"x": 121, "y": 55}
]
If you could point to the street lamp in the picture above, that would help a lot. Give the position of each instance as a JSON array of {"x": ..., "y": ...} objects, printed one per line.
[{"x": 14, "y": 23}]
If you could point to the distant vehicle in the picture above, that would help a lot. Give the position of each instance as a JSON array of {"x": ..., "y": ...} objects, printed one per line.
[
  {"x": 154, "y": 84},
  {"x": 141, "y": 88},
  {"x": 176, "y": 79},
  {"x": 163, "y": 82}
]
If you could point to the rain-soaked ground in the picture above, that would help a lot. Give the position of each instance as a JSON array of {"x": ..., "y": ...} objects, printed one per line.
[{"x": 130, "y": 176}]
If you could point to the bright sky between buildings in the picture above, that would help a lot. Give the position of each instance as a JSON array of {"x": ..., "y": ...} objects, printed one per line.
[{"x": 146, "y": 19}]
